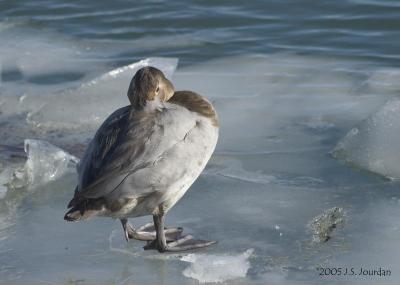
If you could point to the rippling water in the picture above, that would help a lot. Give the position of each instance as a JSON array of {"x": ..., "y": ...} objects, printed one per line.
[
  {"x": 307, "y": 94},
  {"x": 200, "y": 30}
]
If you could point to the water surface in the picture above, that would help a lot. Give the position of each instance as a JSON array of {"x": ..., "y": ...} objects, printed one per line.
[{"x": 289, "y": 80}]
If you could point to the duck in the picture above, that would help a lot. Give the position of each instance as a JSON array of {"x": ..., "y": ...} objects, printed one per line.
[{"x": 144, "y": 158}]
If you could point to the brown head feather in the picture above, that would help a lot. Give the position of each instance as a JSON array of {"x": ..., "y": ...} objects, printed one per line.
[
  {"x": 148, "y": 84},
  {"x": 195, "y": 103}
]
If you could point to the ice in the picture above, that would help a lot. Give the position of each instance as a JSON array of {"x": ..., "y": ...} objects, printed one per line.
[
  {"x": 50, "y": 83},
  {"x": 5, "y": 178},
  {"x": 208, "y": 268},
  {"x": 33, "y": 68},
  {"x": 233, "y": 169},
  {"x": 92, "y": 102},
  {"x": 76, "y": 111},
  {"x": 323, "y": 225},
  {"x": 3, "y": 191},
  {"x": 45, "y": 163},
  {"x": 386, "y": 79},
  {"x": 263, "y": 100},
  {"x": 374, "y": 143},
  {"x": 32, "y": 63},
  {"x": 272, "y": 172}
]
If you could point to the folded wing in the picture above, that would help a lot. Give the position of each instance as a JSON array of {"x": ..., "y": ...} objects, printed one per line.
[{"x": 126, "y": 147}]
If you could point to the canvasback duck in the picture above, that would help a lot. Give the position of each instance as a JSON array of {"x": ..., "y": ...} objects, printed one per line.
[{"x": 144, "y": 158}]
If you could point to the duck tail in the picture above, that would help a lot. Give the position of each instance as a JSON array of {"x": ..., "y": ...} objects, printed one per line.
[
  {"x": 81, "y": 211},
  {"x": 73, "y": 215}
]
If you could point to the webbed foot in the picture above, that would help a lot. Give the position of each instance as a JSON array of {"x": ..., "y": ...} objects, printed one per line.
[
  {"x": 148, "y": 232},
  {"x": 184, "y": 243}
]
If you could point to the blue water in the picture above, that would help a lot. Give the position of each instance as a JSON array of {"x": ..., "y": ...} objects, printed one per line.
[{"x": 196, "y": 31}]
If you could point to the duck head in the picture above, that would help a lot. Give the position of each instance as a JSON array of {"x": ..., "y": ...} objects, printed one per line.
[{"x": 149, "y": 88}]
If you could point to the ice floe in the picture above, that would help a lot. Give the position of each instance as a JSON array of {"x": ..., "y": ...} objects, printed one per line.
[
  {"x": 45, "y": 163},
  {"x": 374, "y": 143},
  {"x": 214, "y": 268},
  {"x": 271, "y": 173},
  {"x": 91, "y": 103}
]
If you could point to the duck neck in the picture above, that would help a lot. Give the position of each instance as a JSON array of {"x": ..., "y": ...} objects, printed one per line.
[{"x": 153, "y": 105}]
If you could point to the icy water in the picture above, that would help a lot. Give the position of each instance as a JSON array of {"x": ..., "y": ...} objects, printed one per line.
[{"x": 306, "y": 92}]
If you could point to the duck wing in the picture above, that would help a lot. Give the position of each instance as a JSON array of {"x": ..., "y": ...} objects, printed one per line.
[
  {"x": 101, "y": 147},
  {"x": 129, "y": 142},
  {"x": 99, "y": 150}
]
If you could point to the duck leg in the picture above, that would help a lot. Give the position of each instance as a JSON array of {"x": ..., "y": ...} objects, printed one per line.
[
  {"x": 147, "y": 232},
  {"x": 181, "y": 244}
]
